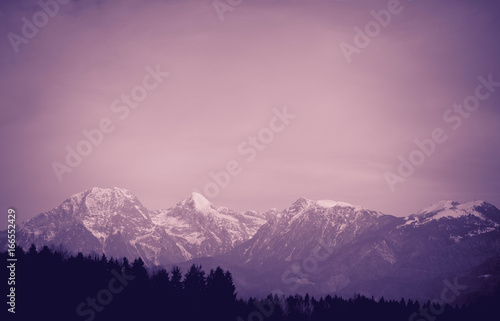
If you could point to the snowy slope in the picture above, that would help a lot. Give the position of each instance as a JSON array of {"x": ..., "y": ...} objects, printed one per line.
[
  {"x": 205, "y": 230},
  {"x": 471, "y": 211},
  {"x": 114, "y": 222},
  {"x": 330, "y": 247},
  {"x": 297, "y": 230}
]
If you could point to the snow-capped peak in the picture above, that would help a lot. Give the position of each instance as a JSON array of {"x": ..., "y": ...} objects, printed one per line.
[
  {"x": 198, "y": 202},
  {"x": 330, "y": 203},
  {"x": 98, "y": 195},
  {"x": 125, "y": 192},
  {"x": 449, "y": 209},
  {"x": 98, "y": 192},
  {"x": 438, "y": 207},
  {"x": 303, "y": 203}
]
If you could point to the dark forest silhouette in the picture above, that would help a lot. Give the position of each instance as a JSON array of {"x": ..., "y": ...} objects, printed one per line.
[{"x": 51, "y": 285}]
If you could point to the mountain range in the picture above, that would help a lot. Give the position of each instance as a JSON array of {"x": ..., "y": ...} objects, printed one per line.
[
  {"x": 319, "y": 247},
  {"x": 114, "y": 222}
]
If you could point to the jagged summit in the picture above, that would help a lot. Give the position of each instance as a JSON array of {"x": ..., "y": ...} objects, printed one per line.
[
  {"x": 305, "y": 203},
  {"x": 98, "y": 193},
  {"x": 330, "y": 204},
  {"x": 104, "y": 202},
  {"x": 102, "y": 190},
  {"x": 301, "y": 203},
  {"x": 197, "y": 202}
]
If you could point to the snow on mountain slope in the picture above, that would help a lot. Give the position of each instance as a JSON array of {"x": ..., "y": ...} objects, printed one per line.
[
  {"x": 101, "y": 220},
  {"x": 330, "y": 203},
  {"x": 454, "y": 221},
  {"x": 205, "y": 230},
  {"x": 475, "y": 210},
  {"x": 198, "y": 202},
  {"x": 334, "y": 247},
  {"x": 114, "y": 222},
  {"x": 296, "y": 231}
]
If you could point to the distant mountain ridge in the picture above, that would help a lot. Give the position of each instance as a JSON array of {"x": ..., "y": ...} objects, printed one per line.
[
  {"x": 114, "y": 222},
  {"x": 205, "y": 230},
  {"x": 323, "y": 247},
  {"x": 319, "y": 247}
]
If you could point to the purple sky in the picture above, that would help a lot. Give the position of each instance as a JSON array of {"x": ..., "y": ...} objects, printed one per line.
[{"x": 352, "y": 120}]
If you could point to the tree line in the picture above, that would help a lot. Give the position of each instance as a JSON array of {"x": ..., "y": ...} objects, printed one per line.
[{"x": 54, "y": 285}]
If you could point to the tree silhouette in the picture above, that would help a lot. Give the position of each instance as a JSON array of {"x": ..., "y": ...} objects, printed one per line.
[
  {"x": 221, "y": 295},
  {"x": 50, "y": 284}
]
